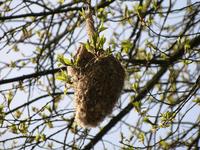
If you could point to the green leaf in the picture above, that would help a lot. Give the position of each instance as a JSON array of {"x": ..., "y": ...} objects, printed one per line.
[
  {"x": 141, "y": 137},
  {"x": 65, "y": 91},
  {"x": 137, "y": 106},
  {"x": 60, "y": 58},
  {"x": 15, "y": 48},
  {"x": 101, "y": 42},
  {"x": 43, "y": 137},
  {"x": 61, "y": 1},
  {"x": 94, "y": 40},
  {"x": 166, "y": 119},
  {"x": 63, "y": 60},
  {"x": 18, "y": 114},
  {"x": 187, "y": 45},
  {"x": 88, "y": 46},
  {"x": 37, "y": 138},
  {"x": 82, "y": 13},
  {"x": 135, "y": 86},
  {"x": 23, "y": 127},
  {"x": 2, "y": 114},
  {"x": 13, "y": 128},
  {"x": 126, "y": 45},
  {"x": 146, "y": 120},
  {"x": 102, "y": 14},
  {"x": 61, "y": 78},
  {"x": 67, "y": 61},
  {"x": 1, "y": 108},
  {"x": 49, "y": 124},
  {"x": 101, "y": 28},
  {"x": 12, "y": 64},
  {"x": 9, "y": 97},
  {"x": 197, "y": 100},
  {"x": 164, "y": 144}
]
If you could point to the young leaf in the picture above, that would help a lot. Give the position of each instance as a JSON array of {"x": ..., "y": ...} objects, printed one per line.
[
  {"x": 9, "y": 96},
  {"x": 63, "y": 60},
  {"x": 137, "y": 106},
  {"x": 61, "y": 1},
  {"x": 67, "y": 61},
  {"x": 126, "y": 45},
  {"x": 101, "y": 28}
]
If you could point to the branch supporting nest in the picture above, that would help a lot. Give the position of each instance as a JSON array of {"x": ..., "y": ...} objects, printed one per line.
[{"x": 89, "y": 21}]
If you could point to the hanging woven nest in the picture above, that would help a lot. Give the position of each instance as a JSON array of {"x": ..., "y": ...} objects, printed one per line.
[{"x": 98, "y": 82}]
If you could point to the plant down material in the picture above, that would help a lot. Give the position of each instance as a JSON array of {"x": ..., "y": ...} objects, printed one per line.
[{"x": 97, "y": 81}]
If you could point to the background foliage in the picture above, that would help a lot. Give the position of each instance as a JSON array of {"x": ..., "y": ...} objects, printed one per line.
[{"x": 157, "y": 41}]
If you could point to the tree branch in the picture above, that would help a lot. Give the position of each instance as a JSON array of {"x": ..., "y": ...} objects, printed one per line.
[
  {"x": 46, "y": 72},
  {"x": 55, "y": 11},
  {"x": 146, "y": 62},
  {"x": 32, "y": 75}
]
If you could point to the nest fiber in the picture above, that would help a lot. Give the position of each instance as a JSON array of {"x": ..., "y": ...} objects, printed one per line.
[{"x": 98, "y": 82}]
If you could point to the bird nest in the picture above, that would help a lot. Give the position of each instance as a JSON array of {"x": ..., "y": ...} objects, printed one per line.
[{"x": 98, "y": 82}]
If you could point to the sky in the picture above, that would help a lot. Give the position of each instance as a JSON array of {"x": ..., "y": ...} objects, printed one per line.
[{"x": 113, "y": 135}]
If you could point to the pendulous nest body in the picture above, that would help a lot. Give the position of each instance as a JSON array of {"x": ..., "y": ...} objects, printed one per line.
[{"x": 98, "y": 82}]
